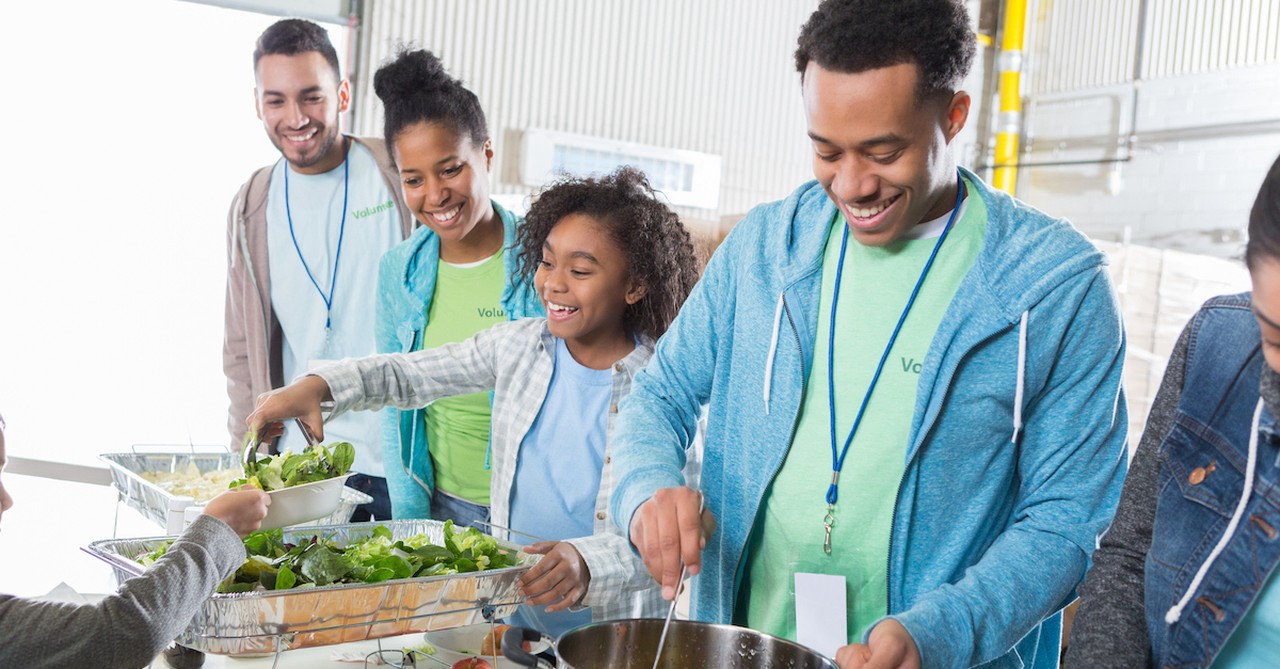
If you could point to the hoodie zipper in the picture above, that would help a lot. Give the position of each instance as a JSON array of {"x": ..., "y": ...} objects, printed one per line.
[
  {"x": 795, "y": 424},
  {"x": 893, "y": 519}
]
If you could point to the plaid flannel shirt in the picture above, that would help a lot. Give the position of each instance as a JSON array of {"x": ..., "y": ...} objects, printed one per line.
[{"x": 515, "y": 360}]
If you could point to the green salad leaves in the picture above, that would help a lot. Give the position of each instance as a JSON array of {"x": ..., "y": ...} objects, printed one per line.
[
  {"x": 276, "y": 565},
  {"x": 285, "y": 470}
]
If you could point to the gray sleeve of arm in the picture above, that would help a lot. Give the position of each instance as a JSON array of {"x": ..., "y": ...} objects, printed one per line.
[
  {"x": 1110, "y": 628},
  {"x": 129, "y": 628}
]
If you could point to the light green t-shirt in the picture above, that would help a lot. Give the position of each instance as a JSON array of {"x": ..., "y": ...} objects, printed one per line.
[
  {"x": 467, "y": 299},
  {"x": 788, "y": 536}
]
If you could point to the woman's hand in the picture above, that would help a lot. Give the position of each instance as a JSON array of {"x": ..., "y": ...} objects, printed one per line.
[
  {"x": 242, "y": 509},
  {"x": 560, "y": 578},
  {"x": 300, "y": 399}
]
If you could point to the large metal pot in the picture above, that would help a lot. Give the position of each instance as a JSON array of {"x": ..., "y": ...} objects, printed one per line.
[{"x": 631, "y": 644}]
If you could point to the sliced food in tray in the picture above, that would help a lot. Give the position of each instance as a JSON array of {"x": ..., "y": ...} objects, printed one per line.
[{"x": 163, "y": 485}]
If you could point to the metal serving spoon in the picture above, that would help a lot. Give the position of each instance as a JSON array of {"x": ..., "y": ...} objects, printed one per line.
[{"x": 662, "y": 640}]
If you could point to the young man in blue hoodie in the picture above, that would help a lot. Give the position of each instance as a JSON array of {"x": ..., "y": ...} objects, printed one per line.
[{"x": 969, "y": 347}]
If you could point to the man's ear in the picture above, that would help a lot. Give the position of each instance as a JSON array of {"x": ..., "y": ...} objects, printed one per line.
[
  {"x": 956, "y": 115},
  {"x": 257, "y": 103},
  {"x": 344, "y": 96}
]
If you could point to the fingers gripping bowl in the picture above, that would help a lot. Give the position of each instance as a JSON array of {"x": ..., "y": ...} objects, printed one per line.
[{"x": 303, "y": 486}]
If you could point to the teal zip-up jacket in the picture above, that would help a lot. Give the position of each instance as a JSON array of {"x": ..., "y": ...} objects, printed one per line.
[
  {"x": 406, "y": 282},
  {"x": 1017, "y": 440}
]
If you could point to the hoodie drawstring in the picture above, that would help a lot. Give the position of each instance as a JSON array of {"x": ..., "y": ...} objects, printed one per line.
[
  {"x": 773, "y": 349},
  {"x": 1176, "y": 612},
  {"x": 1022, "y": 376}
]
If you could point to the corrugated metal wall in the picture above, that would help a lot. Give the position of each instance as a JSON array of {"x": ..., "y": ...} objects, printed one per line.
[
  {"x": 1080, "y": 44},
  {"x": 715, "y": 76},
  {"x": 1075, "y": 44},
  {"x": 1190, "y": 36}
]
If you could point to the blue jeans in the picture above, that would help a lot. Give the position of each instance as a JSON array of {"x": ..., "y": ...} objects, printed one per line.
[
  {"x": 375, "y": 487},
  {"x": 460, "y": 511}
]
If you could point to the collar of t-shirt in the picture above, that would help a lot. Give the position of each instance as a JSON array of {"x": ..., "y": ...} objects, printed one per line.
[
  {"x": 473, "y": 263},
  {"x": 934, "y": 227}
]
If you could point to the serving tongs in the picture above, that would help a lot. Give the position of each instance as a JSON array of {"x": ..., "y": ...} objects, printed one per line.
[
  {"x": 306, "y": 433},
  {"x": 252, "y": 440},
  {"x": 249, "y": 456}
]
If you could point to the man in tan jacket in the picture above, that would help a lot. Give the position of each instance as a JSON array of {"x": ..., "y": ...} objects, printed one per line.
[{"x": 304, "y": 237}]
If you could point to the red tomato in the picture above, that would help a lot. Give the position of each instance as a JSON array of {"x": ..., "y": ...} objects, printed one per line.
[{"x": 472, "y": 663}]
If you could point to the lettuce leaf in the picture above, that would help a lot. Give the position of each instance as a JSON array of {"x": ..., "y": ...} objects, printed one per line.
[
  {"x": 275, "y": 565},
  {"x": 288, "y": 469}
]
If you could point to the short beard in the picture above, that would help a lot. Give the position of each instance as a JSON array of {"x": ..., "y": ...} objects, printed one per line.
[{"x": 331, "y": 138}]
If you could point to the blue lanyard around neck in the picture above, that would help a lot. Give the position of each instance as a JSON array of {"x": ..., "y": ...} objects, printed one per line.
[
  {"x": 837, "y": 460},
  {"x": 342, "y": 228}
]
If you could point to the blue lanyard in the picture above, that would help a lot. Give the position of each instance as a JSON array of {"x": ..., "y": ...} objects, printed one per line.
[
  {"x": 837, "y": 460},
  {"x": 342, "y": 228}
]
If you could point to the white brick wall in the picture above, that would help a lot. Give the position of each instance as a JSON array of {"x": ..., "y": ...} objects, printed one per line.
[{"x": 1191, "y": 194}]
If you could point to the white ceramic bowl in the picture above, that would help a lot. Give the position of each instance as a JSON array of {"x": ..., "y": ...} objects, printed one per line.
[
  {"x": 461, "y": 643},
  {"x": 302, "y": 503}
]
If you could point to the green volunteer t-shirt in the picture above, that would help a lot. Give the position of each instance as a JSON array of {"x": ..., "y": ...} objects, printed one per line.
[
  {"x": 788, "y": 536},
  {"x": 467, "y": 299}
]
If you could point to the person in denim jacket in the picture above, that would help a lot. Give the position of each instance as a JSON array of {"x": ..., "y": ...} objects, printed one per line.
[{"x": 1185, "y": 575}]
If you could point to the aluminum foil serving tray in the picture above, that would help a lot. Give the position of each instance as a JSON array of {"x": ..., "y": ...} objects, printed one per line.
[
  {"x": 167, "y": 509},
  {"x": 267, "y": 621},
  {"x": 157, "y": 504}
]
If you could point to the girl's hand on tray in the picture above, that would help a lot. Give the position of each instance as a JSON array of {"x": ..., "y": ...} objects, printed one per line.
[{"x": 560, "y": 578}]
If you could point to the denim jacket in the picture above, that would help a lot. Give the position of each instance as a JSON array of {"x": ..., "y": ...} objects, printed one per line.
[
  {"x": 1201, "y": 493},
  {"x": 406, "y": 282}
]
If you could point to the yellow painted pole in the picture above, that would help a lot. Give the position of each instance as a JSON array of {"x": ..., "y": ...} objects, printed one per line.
[{"x": 1009, "y": 66}]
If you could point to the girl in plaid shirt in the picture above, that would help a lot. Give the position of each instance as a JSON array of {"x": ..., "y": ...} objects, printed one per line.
[{"x": 612, "y": 265}]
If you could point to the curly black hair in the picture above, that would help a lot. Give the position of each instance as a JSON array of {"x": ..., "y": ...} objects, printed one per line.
[
  {"x": 858, "y": 35},
  {"x": 290, "y": 37},
  {"x": 414, "y": 88},
  {"x": 658, "y": 248},
  {"x": 1264, "y": 220}
]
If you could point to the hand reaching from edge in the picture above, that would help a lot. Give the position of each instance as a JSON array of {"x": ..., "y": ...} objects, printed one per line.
[{"x": 241, "y": 508}]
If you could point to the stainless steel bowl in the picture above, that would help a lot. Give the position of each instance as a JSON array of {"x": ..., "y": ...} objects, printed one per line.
[{"x": 631, "y": 644}]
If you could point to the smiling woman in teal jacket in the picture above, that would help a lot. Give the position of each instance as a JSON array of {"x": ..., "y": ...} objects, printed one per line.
[{"x": 455, "y": 276}]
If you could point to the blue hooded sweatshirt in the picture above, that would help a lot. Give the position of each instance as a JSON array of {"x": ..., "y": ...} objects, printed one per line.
[
  {"x": 406, "y": 282},
  {"x": 1016, "y": 451}
]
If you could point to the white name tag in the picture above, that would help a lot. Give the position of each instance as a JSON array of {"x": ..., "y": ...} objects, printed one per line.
[{"x": 821, "y": 613}]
